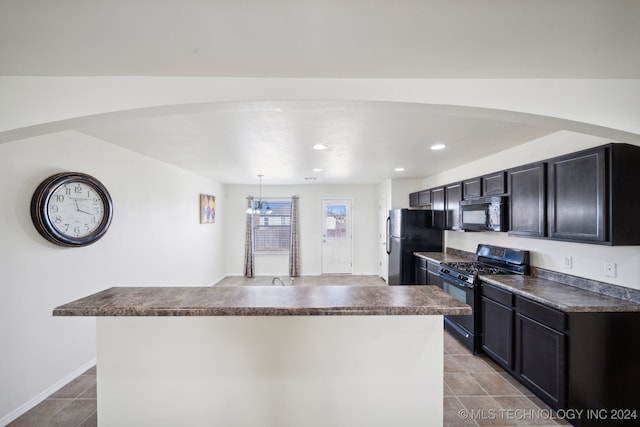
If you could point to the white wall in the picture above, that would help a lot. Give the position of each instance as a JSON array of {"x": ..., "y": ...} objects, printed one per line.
[
  {"x": 365, "y": 229},
  {"x": 155, "y": 239},
  {"x": 588, "y": 260}
]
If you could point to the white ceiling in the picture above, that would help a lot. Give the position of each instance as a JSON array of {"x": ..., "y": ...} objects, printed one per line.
[{"x": 233, "y": 142}]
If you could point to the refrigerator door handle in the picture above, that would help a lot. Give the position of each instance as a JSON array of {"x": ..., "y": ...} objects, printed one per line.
[{"x": 388, "y": 243}]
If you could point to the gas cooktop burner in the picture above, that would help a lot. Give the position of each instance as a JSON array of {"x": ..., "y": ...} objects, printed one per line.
[{"x": 475, "y": 268}]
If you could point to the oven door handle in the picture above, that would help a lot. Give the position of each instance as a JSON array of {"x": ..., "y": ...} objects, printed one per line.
[
  {"x": 458, "y": 329},
  {"x": 455, "y": 281}
]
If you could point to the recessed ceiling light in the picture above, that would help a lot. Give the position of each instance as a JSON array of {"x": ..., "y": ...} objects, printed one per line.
[
  {"x": 436, "y": 147},
  {"x": 399, "y": 169},
  {"x": 320, "y": 147},
  {"x": 317, "y": 170}
]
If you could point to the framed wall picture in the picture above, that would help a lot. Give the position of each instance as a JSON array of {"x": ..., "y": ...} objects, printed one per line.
[{"x": 207, "y": 209}]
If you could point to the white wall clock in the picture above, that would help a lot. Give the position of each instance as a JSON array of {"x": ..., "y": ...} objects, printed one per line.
[{"x": 71, "y": 209}]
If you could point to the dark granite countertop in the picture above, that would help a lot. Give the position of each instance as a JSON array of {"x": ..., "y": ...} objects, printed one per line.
[
  {"x": 563, "y": 297},
  {"x": 266, "y": 301},
  {"x": 441, "y": 257}
]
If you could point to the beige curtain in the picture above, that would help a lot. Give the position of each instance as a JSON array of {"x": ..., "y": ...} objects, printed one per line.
[
  {"x": 248, "y": 242},
  {"x": 294, "y": 245}
]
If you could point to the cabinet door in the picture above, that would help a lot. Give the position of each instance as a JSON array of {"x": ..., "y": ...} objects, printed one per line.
[
  {"x": 414, "y": 200},
  {"x": 527, "y": 213},
  {"x": 424, "y": 198},
  {"x": 452, "y": 199},
  {"x": 577, "y": 197},
  {"x": 497, "y": 332},
  {"x": 540, "y": 360},
  {"x": 433, "y": 278},
  {"x": 438, "y": 207},
  {"x": 494, "y": 184},
  {"x": 471, "y": 188},
  {"x": 421, "y": 275}
]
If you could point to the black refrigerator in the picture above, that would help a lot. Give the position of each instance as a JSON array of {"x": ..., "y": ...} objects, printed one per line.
[{"x": 409, "y": 231}]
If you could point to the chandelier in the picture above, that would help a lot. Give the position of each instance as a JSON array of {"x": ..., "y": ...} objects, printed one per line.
[{"x": 260, "y": 207}]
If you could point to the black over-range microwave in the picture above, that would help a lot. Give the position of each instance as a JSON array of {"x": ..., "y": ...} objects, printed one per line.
[{"x": 484, "y": 214}]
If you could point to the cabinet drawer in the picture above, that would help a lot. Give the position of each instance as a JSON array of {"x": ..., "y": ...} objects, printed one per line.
[
  {"x": 546, "y": 315},
  {"x": 497, "y": 294}
]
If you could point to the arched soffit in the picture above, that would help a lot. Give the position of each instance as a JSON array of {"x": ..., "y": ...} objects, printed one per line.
[{"x": 551, "y": 123}]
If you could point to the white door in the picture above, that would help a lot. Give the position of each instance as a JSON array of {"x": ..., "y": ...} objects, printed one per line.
[
  {"x": 383, "y": 213},
  {"x": 336, "y": 237}
]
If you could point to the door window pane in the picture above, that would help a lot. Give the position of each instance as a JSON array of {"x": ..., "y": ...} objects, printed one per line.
[{"x": 336, "y": 221}]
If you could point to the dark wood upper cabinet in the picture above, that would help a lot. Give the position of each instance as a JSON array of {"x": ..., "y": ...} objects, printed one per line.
[
  {"x": 413, "y": 200},
  {"x": 472, "y": 188},
  {"x": 452, "y": 199},
  {"x": 438, "y": 207},
  {"x": 527, "y": 205},
  {"x": 424, "y": 198},
  {"x": 420, "y": 198},
  {"x": 588, "y": 197},
  {"x": 591, "y": 196},
  {"x": 494, "y": 184},
  {"x": 577, "y": 199}
]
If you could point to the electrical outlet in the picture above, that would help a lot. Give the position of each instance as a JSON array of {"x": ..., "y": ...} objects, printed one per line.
[
  {"x": 568, "y": 262},
  {"x": 610, "y": 269}
]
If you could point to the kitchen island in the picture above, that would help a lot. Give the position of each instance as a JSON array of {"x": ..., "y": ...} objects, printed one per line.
[{"x": 269, "y": 356}]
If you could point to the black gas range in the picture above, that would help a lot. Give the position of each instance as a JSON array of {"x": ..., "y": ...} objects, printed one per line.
[{"x": 460, "y": 279}]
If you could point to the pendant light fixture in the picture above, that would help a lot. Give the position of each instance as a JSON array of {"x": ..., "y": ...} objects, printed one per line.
[{"x": 260, "y": 207}]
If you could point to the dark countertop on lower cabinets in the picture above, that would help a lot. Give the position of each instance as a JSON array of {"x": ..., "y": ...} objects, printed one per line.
[
  {"x": 558, "y": 295},
  {"x": 441, "y": 257},
  {"x": 266, "y": 301}
]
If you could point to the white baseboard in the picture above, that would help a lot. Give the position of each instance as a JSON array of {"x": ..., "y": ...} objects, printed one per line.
[{"x": 31, "y": 403}]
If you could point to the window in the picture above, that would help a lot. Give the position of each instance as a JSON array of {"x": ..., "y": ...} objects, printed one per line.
[{"x": 272, "y": 232}]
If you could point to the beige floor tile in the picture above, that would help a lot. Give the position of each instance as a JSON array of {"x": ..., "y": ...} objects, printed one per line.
[
  {"x": 455, "y": 415},
  {"x": 525, "y": 391},
  {"x": 525, "y": 411},
  {"x": 452, "y": 365},
  {"x": 473, "y": 363},
  {"x": 38, "y": 415},
  {"x": 485, "y": 411},
  {"x": 76, "y": 387},
  {"x": 463, "y": 384},
  {"x": 74, "y": 414},
  {"x": 495, "y": 384}
]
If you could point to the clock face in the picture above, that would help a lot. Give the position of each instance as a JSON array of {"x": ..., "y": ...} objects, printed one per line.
[
  {"x": 71, "y": 209},
  {"x": 75, "y": 209}
]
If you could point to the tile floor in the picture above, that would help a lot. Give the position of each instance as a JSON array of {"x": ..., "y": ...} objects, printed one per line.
[
  {"x": 477, "y": 392},
  {"x": 74, "y": 405}
]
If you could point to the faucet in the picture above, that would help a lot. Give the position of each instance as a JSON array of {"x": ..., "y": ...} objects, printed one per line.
[{"x": 277, "y": 279}]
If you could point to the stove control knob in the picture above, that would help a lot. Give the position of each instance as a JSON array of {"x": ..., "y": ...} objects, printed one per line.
[{"x": 461, "y": 277}]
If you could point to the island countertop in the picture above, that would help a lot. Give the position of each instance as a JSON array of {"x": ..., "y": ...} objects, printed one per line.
[{"x": 266, "y": 301}]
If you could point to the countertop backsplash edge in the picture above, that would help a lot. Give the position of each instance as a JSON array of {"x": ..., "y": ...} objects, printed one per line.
[{"x": 616, "y": 291}]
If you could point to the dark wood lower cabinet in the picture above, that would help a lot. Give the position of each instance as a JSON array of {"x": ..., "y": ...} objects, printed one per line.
[
  {"x": 586, "y": 362},
  {"x": 421, "y": 271},
  {"x": 540, "y": 359},
  {"x": 433, "y": 278},
  {"x": 497, "y": 332}
]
